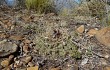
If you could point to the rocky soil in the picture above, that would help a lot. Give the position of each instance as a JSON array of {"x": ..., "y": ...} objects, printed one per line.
[{"x": 29, "y": 41}]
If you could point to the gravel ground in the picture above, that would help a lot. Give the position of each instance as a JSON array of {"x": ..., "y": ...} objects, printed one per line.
[{"x": 49, "y": 42}]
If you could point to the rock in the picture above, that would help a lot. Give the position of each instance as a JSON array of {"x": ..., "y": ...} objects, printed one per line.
[
  {"x": 92, "y": 32},
  {"x": 107, "y": 68},
  {"x": 5, "y": 63},
  {"x": 11, "y": 57},
  {"x": 55, "y": 69},
  {"x": 71, "y": 68},
  {"x": 9, "y": 24},
  {"x": 17, "y": 65},
  {"x": 103, "y": 36},
  {"x": 106, "y": 56},
  {"x": 7, "y": 68},
  {"x": 3, "y": 35},
  {"x": 26, "y": 41},
  {"x": 27, "y": 18},
  {"x": 103, "y": 62},
  {"x": 5, "y": 21},
  {"x": 80, "y": 29},
  {"x": 25, "y": 48},
  {"x": 84, "y": 61},
  {"x": 7, "y": 48},
  {"x": 30, "y": 64},
  {"x": 33, "y": 68},
  {"x": 16, "y": 37},
  {"x": 20, "y": 69},
  {"x": 3, "y": 41},
  {"x": 26, "y": 59}
]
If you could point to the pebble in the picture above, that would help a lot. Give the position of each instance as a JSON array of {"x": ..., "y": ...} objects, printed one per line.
[
  {"x": 20, "y": 69},
  {"x": 16, "y": 37},
  {"x": 84, "y": 61},
  {"x": 30, "y": 64},
  {"x": 11, "y": 57},
  {"x": 55, "y": 69},
  {"x": 26, "y": 59},
  {"x": 25, "y": 48},
  {"x": 26, "y": 41},
  {"x": 80, "y": 29},
  {"x": 5, "y": 63}
]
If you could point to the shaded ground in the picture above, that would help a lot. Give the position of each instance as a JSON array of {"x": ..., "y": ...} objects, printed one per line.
[{"x": 49, "y": 41}]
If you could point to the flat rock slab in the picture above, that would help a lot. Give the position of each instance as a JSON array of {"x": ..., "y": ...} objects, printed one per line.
[
  {"x": 103, "y": 36},
  {"x": 7, "y": 48}
]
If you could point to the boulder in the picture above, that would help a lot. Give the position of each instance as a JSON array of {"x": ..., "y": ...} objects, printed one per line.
[
  {"x": 7, "y": 48},
  {"x": 103, "y": 36}
]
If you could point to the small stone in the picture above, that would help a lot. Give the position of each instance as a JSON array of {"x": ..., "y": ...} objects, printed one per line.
[
  {"x": 9, "y": 24},
  {"x": 84, "y": 61},
  {"x": 5, "y": 21},
  {"x": 16, "y": 66},
  {"x": 11, "y": 65},
  {"x": 71, "y": 68},
  {"x": 92, "y": 32},
  {"x": 33, "y": 68},
  {"x": 103, "y": 62},
  {"x": 55, "y": 69},
  {"x": 27, "y": 59},
  {"x": 26, "y": 18},
  {"x": 106, "y": 56},
  {"x": 25, "y": 48},
  {"x": 30, "y": 64},
  {"x": 20, "y": 69},
  {"x": 7, "y": 68},
  {"x": 26, "y": 41},
  {"x": 80, "y": 29},
  {"x": 3, "y": 35},
  {"x": 107, "y": 68},
  {"x": 5, "y": 63},
  {"x": 16, "y": 37},
  {"x": 103, "y": 36},
  {"x": 3, "y": 41},
  {"x": 11, "y": 57}
]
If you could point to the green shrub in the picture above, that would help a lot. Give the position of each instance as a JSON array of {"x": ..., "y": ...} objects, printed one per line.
[
  {"x": 97, "y": 8},
  {"x": 39, "y": 5},
  {"x": 81, "y": 10},
  {"x": 92, "y": 8}
]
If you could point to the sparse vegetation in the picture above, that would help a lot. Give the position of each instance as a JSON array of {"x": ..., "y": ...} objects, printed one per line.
[
  {"x": 93, "y": 8},
  {"x": 42, "y": 36},
  {"x": 55, "y": 42}
]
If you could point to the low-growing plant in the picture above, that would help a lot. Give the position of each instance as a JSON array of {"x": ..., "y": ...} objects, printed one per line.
[{"x": 54, "y": 43}]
